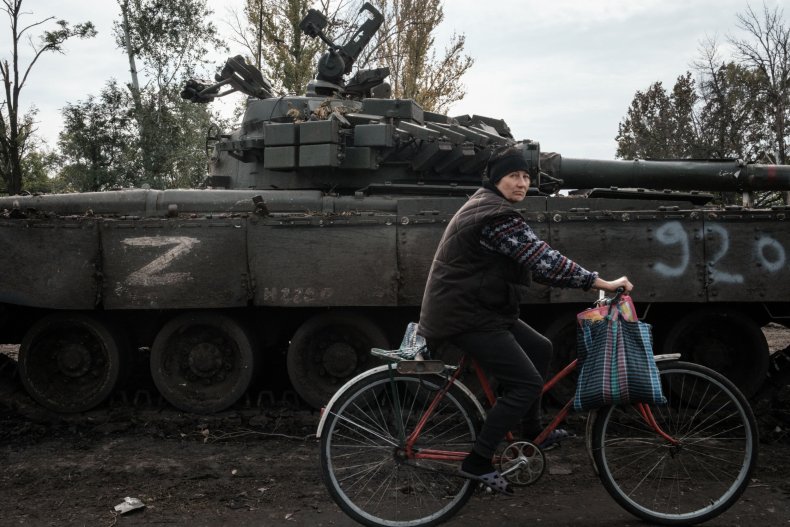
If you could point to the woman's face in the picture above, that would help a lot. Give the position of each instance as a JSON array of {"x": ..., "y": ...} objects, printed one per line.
[{"x": 514, "y": 186}]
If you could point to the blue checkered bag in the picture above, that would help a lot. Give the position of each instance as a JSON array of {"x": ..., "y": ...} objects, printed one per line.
[{"x": 616, "y": 364}]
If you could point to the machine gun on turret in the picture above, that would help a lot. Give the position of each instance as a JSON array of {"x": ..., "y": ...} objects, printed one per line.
[
  {"x": 241, "y": 77},
  {"x": 338, "y": 61},
  {"x": 333, "y": 65}
]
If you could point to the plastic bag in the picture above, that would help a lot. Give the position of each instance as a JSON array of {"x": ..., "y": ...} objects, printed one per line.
[
  {"x": 625, "y": 307},
  {"x": 412, "y": 347}
]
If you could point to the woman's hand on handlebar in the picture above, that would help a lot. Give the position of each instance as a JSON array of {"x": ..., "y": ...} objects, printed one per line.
[{"x": 613, "y": 285}]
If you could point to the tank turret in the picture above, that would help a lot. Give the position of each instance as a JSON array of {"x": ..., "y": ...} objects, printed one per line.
[
  {"x": 346, "y": 136},
  {"x": 313, "y": 237}
]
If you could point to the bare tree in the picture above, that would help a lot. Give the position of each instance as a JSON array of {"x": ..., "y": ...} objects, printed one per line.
[
  {"x": 731, "y": 113},
  {"x": 16, "y": 128},
  {"x": 767, "y": 49},
  {"x": 407, "y": 46}
]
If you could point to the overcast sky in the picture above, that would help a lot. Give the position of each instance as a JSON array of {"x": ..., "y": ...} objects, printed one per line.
[{"x": 561, "y": 72}]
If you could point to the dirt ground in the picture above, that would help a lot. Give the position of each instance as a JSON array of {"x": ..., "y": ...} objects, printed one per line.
[{"x": 259, "y": 466}]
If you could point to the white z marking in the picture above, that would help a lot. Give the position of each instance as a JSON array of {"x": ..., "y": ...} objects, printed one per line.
[{"x": 151, "y": 274}]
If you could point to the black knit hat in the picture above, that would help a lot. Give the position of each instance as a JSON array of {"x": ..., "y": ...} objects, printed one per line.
[{"x": 502, "y": 166}]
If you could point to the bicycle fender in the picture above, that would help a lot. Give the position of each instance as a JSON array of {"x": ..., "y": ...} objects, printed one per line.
[
  {"x": 666, "y": 357},
  {"x": 326, "y": 410}
]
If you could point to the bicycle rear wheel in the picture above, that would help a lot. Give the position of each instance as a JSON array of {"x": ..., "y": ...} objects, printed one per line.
[
  {"x": 365, "y": 467},
  {"x": 693, "y": 481}
]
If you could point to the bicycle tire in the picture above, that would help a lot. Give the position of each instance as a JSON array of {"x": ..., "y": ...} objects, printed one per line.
[
  {"x": 365, "y": 470},
  {"x": 694, "y": 481}
]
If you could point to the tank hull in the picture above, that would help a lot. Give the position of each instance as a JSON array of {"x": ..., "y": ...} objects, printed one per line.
[
  {"x": 277, "y": 259},
  {"x": 311, "y": 250}
]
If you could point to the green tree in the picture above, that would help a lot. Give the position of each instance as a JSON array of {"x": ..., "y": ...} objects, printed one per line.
[
  {"x": 97, "y": 143},
  {"x": 16, "y": 127},
  {"x": 37, "y": 170},
  {"x": 171, "y": 40},
  {"x": 176, "y": 151},
  {"x": 661, "y": 125}
]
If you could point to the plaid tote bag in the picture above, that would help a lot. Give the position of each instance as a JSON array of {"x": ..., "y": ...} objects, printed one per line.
[{"x": 616, "y": 364}]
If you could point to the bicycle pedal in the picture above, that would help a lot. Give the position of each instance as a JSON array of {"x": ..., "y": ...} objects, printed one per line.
[{"x": 420, "y": 366}]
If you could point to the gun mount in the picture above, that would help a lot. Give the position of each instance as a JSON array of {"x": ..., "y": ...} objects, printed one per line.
[
  {"x": 338, "y": 61},
  {"x": 241, "y": 77}
]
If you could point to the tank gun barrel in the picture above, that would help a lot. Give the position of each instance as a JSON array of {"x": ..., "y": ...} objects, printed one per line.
[{"x": 722, "y": 176}]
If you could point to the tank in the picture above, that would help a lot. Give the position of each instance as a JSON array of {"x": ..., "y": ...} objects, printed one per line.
[{"x": 312, "y": 240}]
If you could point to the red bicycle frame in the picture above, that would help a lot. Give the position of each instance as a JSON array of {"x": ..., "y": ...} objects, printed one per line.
[{"x": 449, "y": 455}]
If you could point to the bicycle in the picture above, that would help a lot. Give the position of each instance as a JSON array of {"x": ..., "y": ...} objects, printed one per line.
[{"x": 392, "y": 438}]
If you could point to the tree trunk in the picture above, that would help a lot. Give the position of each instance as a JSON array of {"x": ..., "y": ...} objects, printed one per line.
[
  {"x": 134, "y": 87},
  {"x": 11, "y": 82},
  {"x": 15, "y": 176},
  {"x": 780, "y": 138}
]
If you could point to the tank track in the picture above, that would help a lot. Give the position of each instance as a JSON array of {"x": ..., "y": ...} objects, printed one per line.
[
  {"x": 279, "y": 413},
  {"x": 258, "y": 411}
]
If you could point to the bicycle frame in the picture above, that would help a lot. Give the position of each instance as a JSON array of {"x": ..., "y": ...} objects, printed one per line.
[
  {"x": 396, "y": 433},
  {"x": 447, "y": 455}
]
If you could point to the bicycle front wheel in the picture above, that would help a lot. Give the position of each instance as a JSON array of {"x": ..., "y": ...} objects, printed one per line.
[
  {"x": 694, "y": 480},
  {"x": 363, "y": 462}
]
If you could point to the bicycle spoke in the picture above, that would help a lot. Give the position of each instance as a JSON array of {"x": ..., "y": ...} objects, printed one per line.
[
  {"x": 363, "y": 476},
  {"x": 695, "y": 479},
  {"x": 365, "y": 463},
  {"x": 359, "y": 426}
]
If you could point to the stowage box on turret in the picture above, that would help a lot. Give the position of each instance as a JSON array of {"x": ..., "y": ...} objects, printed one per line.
[{"x": 313, "y": 239}]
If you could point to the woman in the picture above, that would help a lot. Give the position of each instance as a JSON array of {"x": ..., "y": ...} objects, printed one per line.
[{"x": 484, "y": 262}]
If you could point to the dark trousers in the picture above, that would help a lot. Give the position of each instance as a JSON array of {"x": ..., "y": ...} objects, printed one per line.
[{"x": 518, "y": 359}]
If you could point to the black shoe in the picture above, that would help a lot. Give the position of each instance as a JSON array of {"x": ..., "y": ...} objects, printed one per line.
[{"x": 493, "y": 480}]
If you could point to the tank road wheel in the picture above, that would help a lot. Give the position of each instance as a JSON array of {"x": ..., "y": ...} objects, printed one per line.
[
  {"x": 724, "y": 340},
  {"x": 328, "y": 350},
  {"x": 69, "y": 362},
  {"x": 202, "y": 362}
]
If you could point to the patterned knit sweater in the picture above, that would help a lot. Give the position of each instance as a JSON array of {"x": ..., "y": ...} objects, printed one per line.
[{"x": 512, "y": 237}]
